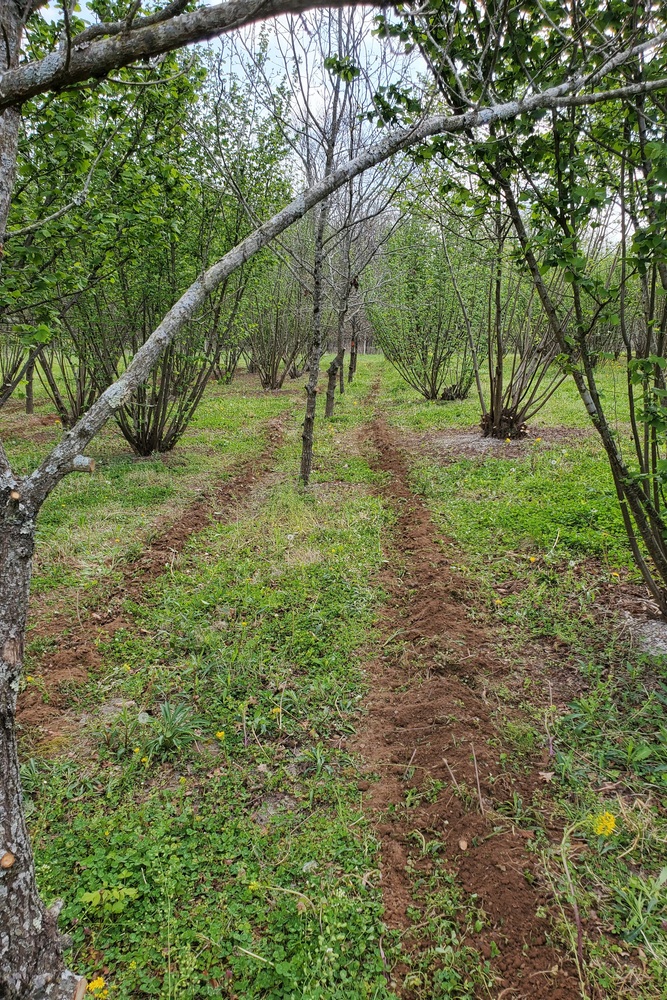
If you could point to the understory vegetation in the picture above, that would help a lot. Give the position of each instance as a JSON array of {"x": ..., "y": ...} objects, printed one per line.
[{"x": 196, "y": 802}]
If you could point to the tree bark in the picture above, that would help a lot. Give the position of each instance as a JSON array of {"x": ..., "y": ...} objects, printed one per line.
[
  {"x": 334, "y": 368},
  {"x": 315, "y": 351},
  {"x": 30, "y": 385},
  {"x": 8, "y": 388},
  {"x": 353, "y": 351},
  {"x": 31, "y": 963},
  {"x": 88, "y": 58},
  {"x": 10, "y": 120}
]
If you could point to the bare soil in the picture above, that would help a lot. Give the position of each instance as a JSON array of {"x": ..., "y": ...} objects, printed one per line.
[
  {"x": 43, "y": 708},
  {"x": 428, "y": 710}
]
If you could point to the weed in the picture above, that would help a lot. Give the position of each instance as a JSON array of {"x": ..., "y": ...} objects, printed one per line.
[{"x": 175, "y": 728}]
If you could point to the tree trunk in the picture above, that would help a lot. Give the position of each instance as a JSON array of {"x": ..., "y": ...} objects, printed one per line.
[
  {"x": 8, "y": 388},
  {"x": 30, "y": 385},
  {"x": 341, "y": 372},
  {"x": 315, "y": 352},
  {"x": 10, "y": 120},
  {"x": 353, "y": 353},
  {"x": 31, "y": 963},
  {"x": 334, "y": 368},
  {"x": 634, "y": 502}
]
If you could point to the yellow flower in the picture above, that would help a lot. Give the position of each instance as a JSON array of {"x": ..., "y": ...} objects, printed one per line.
[
  {"x": 508, "y": 440},
  {"x": 537, "y": 439},
  {"x": 30, "y": 678},
  {"x": 617, "y": 575},
  {"x": 498, "y": 600},
  {"x": 532, "y": 559},
  {"x": 133, "y": 964},
  {"x": 276, "y": 711},
  {"x": 98, "y": 988},
  {"x": 604, "y": 824},
  {"x": 144, "y": 760},
  {"x": 220, "y": 735},
  {"x": 136, "y": 749}
]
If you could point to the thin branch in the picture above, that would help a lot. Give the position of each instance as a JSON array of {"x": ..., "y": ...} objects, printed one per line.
[
  {"x": 117, "y": 27},
  {"x": 96, "y": 59},
  {"x": 134, "y": 9},
  {"x": 68, "y": 34},
  {"x": 153, "y": 83}
]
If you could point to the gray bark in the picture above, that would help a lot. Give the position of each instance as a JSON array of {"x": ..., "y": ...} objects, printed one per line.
[
  {"x": 353, "y": 351},
  {"x": 89, "y": 57},
  {"x": 315, "y": 351},
  {"x": 30, "y": 944},
  {"x": 333, "y": 371},
  {"x": 30, "y": 385}
]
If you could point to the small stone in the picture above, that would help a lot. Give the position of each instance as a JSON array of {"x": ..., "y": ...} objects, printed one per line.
[{"x": 463, "y": 844}]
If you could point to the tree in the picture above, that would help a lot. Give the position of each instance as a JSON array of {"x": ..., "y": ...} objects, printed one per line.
[
  {"x": 562, "y": 172},
  {"x": 417, "y": 319},
  {"x": 518, "y": 344},
  {"x": 323, "y": 102},
  {"x": 277, "y": 326},
  {"x": 30, "y": 946}
]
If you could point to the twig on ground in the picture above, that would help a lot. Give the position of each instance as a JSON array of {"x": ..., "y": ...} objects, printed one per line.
[
  {"x": 479, "y": 789},
  {"x": 577, "y": 916},
  {"x": 451, "y": 775},
  {"x": 405, "y": 773}
]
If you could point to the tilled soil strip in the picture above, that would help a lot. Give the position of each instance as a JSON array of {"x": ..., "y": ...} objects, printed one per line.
[
  {"x": 428, "y": 715},
  {"x": 45, "y": 708}
]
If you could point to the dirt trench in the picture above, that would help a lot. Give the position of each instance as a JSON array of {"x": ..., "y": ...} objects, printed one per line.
[
  {"x": 43, "y": 708},
  {"x": 428, "y": 716}
]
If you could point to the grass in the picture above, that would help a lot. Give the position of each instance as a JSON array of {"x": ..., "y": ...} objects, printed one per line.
[
  {"x": 564, "y": 408},
  {"x": 225, "y": 852},
  {"x": 203, "y": 825},
  {"x": 92, "y": 524},
  {"x": 535, "y": 530}
]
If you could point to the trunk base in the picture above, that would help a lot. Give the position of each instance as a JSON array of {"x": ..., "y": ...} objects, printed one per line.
[
  {"x": 66, "y": 987},
  {"x": 508, "y": 425}
]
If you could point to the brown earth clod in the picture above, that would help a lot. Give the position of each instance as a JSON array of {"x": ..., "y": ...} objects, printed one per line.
[{"x": 428, "y": 719}]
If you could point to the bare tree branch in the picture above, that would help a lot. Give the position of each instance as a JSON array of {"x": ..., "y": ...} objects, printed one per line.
[{"x": 97, "y": 58}]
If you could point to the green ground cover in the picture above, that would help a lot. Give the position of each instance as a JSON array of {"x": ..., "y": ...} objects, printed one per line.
[
  {"x": 207, "y": 835},
  {"x": 540, "y": 539},
  {"x": 216, "y": 846}
]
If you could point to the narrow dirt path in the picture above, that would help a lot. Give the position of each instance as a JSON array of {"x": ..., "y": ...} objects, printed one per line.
[
  {"x": 44, "y": 708},
  {"x": 428, "y": 716}
]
